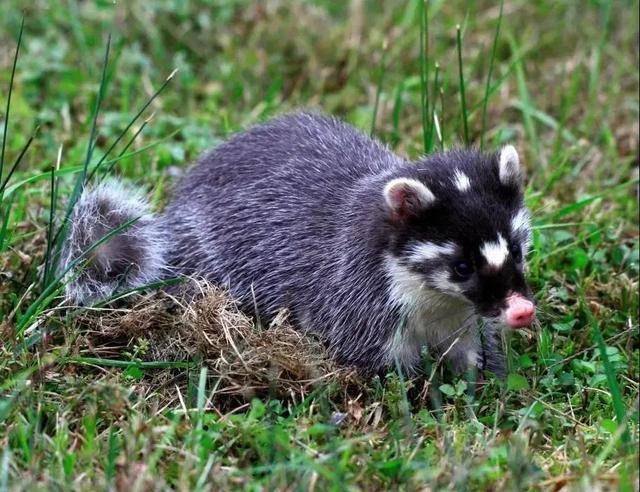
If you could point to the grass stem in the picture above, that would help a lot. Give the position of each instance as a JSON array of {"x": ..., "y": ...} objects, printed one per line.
[
  {"x": 463, "y": 98},
  {"x": 485, "y": 100},
  {"x": 424, "y": 70},
  {"x": 8, "y": 106},
  {"x": 379, "y": 87}
]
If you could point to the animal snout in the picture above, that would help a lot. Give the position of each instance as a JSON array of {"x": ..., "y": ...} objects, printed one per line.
[{"x": 520, "y": 311}]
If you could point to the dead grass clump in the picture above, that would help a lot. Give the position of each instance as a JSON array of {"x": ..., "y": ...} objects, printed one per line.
[{"x": 245, "y": 360}]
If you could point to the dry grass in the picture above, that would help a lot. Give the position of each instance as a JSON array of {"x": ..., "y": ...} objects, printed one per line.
[{"x": 246, "y": 361}]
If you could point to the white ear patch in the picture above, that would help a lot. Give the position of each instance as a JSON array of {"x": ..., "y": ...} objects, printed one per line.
[
  {"x": 461, "y": 180},
  {"x": 509, "y": 166},
  {"x": 495, "y": 252},
  {"x": 407, "y": 196}
]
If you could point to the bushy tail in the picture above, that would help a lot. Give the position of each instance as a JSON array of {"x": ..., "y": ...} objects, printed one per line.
[{"x": 131, "y": 257}]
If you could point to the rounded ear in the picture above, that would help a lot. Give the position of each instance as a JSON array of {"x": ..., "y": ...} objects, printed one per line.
[
  {"x": 509, "y": 170},
  {"x": 407, "y": 197}
]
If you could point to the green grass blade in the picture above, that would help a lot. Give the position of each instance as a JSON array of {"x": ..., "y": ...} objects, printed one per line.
[
  {"x": 432, "y": 122},
  {"x": 125, "y": 155},
  {"x": 53, "y": 202},
  {"x": 52, "y": 214},
  {"x": 547, "y": 120},
  {"x": 81, "y": 179},
  {"x": 16, "y": 382},
  {"x": 131, "y": 123},
  {"x": 442, "y": 135},
  {"x": 580, "y": 204},
  {"x": 596, "y": 65},
  {"x": 112, "y": 455},
  {"x": 499, "y": 81},
  {"x": 11, "y": 189},
  {"x": 488, "y": 85},
  {"x": 463, "y": 97},
  {"x": 612, "y": 377},
  {"x": 424, "y": 69},
  {"x": 94, "y": 124},
  {"x": 16, "y": 163},
  {"x": 97, "y": 361},
  {"x": 202, "y": 390},
  {"x": 397, "y": 111},
  {"x": 152, "y": 286},
  {"x": 525, "y": 98},
  {"x": 427, "y": 63},
  {"x": 379, "y": 88},
  {"x": 5, "y": 214},
  {"x": 8, "y": 106},
  {"x": 112, "y": 163}
]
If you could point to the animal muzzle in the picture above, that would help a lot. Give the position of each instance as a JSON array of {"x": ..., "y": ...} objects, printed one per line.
[{"x": 520, "y": 311}]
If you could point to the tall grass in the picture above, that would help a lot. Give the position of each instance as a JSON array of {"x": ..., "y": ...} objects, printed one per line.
[
  {"x": 52, "y": 276},
  {"x": 381, "y": 72},
  {"x": 80, "y": 182},
  {"x": 463, "y": 94},
  {"x": 6, "y": 206},
  {"x": 526, "y": 102},
  {"x": 433, "y": 125},
  {"x": 485, "y": 99},
  {"x": 423, "y": 20},
  {"x": 126, "y": 129},
  {"x": 53, "y": 204},
  {"x": 8, "y": 106}
]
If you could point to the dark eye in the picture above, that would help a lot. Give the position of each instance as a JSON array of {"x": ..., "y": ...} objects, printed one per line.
[
  {"x": 463, "y": 269},
  {"x": 516, "y": 252}
]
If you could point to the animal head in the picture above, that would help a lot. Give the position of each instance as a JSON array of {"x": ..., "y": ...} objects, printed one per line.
[{"x": 459, "y": 227}]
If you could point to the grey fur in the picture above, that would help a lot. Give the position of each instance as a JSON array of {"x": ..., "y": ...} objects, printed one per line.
[
  {"x": 291, "y": 214},
  {"x": 132, "y": 258}
]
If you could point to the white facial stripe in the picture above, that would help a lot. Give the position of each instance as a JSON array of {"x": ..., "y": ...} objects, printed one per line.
[
  {"x": 440, "y": 280},
  {"x": 429, "y": 251},
  {"x": 461, "y": 180},
  {"x": 405, "y": 284},
  {"x": 521, "y": 224},
  {"x": 409, "y": 288},
  {"x": 495, "y": 252}
]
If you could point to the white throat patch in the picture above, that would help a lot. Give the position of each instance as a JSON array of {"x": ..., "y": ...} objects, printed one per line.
[{"x": 431, "y": 318}]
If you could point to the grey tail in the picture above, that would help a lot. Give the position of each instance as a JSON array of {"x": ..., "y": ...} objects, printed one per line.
[{"x": 132, "y": 256}]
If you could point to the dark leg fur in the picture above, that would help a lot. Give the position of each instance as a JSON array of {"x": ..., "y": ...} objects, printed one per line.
[{"x": 493, "y": 358}]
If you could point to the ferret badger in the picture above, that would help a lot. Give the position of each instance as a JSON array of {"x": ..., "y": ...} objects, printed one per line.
[{"x": 378, "y": 255}]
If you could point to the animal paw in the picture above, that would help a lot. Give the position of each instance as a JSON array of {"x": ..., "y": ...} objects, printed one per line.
[{"x": 475, "y": 359}]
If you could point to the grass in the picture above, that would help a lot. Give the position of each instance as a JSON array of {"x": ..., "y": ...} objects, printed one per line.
[{"x": 129, "y": 396}]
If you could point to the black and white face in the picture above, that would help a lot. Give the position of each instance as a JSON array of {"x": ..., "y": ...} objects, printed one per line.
[{"x": 461, "y": 228}]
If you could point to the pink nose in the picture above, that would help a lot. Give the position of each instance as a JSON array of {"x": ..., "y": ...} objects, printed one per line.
[{"x": 520, "y": 311}]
